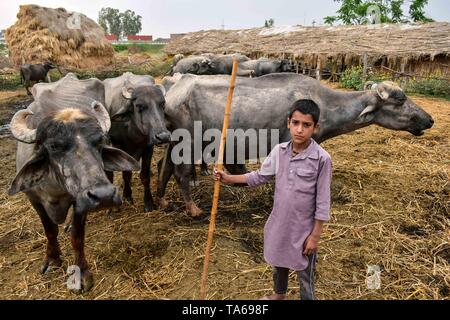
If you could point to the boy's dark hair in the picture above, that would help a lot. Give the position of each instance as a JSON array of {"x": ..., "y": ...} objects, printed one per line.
[{"x": 306, "y": 106}]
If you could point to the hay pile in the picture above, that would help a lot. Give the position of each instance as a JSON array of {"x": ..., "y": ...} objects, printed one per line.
[{"x": 43, "y": 34}]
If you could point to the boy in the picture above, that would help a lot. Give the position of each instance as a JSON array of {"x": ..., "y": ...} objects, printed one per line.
[{"x": 302, "y": 171}]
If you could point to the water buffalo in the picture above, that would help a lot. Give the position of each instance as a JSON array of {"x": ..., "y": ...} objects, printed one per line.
[
  {"x": 264, "y": 66},
  {"x": 136, "y": 107},
  {"x": 35, "y": 72},
  {"x": 61, "y": 157},
  {"x": 263, "y": 103},
  {"x": 209, "y": 64},
  {"x": 192, "y": 64},
  {"x": 223, "y": 64}
]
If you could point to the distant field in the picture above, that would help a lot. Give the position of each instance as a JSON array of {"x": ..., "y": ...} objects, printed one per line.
[{"x": 144, "y": 47}]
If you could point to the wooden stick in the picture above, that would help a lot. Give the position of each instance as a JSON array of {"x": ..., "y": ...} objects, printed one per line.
[{"x": 219, "y": 165}]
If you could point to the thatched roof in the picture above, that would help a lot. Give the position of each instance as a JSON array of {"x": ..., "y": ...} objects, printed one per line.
[
  {"x": 393, "y": 41},
  {"x": 67, "y": 38}
]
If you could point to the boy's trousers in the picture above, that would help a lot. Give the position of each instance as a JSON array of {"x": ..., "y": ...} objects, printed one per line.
[{"x": 305, "y": 279}]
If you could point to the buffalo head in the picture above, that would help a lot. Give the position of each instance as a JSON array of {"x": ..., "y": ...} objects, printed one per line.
[
  {"x": 145, "y": 111},
  {"x": 392, "y": 109},
  {"x": 69, "y": 157}
]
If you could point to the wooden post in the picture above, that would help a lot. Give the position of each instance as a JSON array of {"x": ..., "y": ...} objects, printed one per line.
[
  {"x": 365, "y": 67},
  {"x": 219, "y": 165},
  {"x": 318, "y": 77},
  {"x": 402, "y": 76}
]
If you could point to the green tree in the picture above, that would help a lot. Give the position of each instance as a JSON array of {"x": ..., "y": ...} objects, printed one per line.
[
  {"x": 117, "y": 23},
  {"x": 396, "y": 10},
  {"x": 416, "y": 11},
  {"x": 131, "y": 23},
  {"x": 355, "y": 11},
  {"x": 269, "y": 23},
  {"x": 110, "y": 20}
]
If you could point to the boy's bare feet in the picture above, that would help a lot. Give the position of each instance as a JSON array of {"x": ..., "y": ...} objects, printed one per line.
[{"x": 275, "y": 296}]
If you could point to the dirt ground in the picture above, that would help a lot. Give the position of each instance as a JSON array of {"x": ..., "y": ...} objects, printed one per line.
[{"x": 390, "y": 208}]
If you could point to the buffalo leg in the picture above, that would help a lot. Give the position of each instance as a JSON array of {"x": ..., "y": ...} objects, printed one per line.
[
  {"x": 127, "y": 193},
  {"x": 145, "y": 178},
  {"x": 165, "y": 170},
  {"x": 204, "y": 169},
  {"x": 53, "y": 252},
  {"x": 182, "y": 173},
  {"x": 27, "y": 85},
  {"x": 77, "y": 238}
]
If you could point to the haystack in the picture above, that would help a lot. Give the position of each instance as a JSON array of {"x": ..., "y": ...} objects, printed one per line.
[{"x": 69, "y": 39}]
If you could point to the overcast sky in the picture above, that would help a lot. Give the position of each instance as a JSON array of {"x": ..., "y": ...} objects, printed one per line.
[{"x": 162, "y": 17}]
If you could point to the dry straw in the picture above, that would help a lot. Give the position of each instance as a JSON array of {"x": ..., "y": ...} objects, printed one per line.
[{"x": 43, "y": 34}]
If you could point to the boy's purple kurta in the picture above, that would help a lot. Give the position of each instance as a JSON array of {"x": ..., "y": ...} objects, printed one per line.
[{"x": 302, "y": 194}]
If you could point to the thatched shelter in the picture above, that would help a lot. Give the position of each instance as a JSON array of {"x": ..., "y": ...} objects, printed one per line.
[
  {"x": 67, "y": 38},
  {"x": 414, "y": 48}
]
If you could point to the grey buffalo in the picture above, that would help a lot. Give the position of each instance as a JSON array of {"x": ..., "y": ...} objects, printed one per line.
[
  {"x": 35, "y": 72},
  {"x": 263, "y": 103},
  {"x": 61, "y": 157},
  {"x": 264, "y": 66},
  {"x": 223, "y": 64},
  {"x": 210, "y": 64},
  {"x": 193, "y": 64},
  {"x": 136, "y": 106}
]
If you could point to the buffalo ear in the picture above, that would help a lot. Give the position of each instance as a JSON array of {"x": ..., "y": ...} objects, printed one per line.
[
  {"x": 117, "y": 160},
  {"x": 31, "y": 174},
  {"x": 195, "y": 67},
  {"x": 123, "y": 115}
]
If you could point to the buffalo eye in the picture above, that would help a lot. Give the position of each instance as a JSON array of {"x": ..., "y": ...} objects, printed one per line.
[
  {"x": 98, "y": 141},
  {"x": 162, "y": 105},
  {"x": 57, "y": 146}
]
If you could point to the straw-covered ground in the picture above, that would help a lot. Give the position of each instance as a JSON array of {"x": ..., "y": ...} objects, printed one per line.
[{"x": 390, "y": 208}]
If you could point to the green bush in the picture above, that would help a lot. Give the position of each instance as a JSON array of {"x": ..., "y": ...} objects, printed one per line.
[
  {"x": 352, "y": 78},
  {"x": 10, "y": 81},
  {"x": 146, "y": 47},
  {"x": 429, "y": 86}
]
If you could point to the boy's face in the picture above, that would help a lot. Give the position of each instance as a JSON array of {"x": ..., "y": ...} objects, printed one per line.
[{"x": 301, "y": 127}]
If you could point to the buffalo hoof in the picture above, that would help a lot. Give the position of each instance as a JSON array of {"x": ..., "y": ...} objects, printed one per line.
[
  {"x": 162, "y": 203},
  {"x": 193, "y": 210},
  {"x": 50, "y": 264},
  {"x": 149, "y": 207}
]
